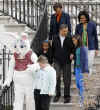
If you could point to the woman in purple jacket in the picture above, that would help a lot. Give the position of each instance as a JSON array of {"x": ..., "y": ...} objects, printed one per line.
[{"x": 87, "y": 30}]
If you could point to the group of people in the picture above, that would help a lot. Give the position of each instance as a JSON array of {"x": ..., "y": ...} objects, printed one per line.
[
  {"x": 42, "y": 74},
  {"x": 80, "y": 47}
]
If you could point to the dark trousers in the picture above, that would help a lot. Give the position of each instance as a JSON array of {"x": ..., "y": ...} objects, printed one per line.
[
  {"x": 66, "y": 70},
  {"x": 42, "y": 101}
]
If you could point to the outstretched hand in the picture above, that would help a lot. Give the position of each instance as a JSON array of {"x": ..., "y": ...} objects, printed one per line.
[
  {"x": 96, "y": 52},
  {"x": 71, "y": 57}
]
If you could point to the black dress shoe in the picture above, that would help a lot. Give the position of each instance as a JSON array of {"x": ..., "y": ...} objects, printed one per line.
[
  {"x": 66, "y": 100},
  {"x": 56, "y": 98}
]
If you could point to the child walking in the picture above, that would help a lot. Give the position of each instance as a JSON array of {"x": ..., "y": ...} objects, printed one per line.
[{"x": 81, "y": 65}]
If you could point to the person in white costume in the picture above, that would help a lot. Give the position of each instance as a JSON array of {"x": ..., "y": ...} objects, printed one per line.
[{"x": 20, "y": 74}]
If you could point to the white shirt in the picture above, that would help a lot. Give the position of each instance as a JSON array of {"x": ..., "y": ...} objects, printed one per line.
[
  {"x": 62, "y": 40},
  {"x": 45, "y": 80}
]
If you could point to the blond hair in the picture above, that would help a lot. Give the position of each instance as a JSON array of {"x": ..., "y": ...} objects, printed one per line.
[{"x": 43, "y": 59}]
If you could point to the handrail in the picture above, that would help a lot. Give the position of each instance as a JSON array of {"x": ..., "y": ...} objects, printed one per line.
[
  {"x": 45, "y": 9},
  {"x": 24, "y": 11},
  {"x": 6, "y": 95},
  {"x": 6, "y": 98},
  {"x": 76, "y": 3},
  {"x": 42, "y": 31}
]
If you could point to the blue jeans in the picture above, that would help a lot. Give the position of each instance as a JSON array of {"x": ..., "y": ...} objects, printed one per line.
[{"x": 80, "y": 83}]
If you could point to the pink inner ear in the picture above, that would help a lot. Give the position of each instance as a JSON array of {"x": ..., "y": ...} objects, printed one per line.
[{"x": 24, "y": 37}]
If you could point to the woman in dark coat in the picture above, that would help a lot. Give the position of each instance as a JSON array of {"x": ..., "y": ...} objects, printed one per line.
[{"x": 87, "y": 30}]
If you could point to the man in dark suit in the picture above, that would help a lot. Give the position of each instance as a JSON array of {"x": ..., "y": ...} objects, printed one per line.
[
  {"x": 58, "y": 18},
  {"x": 63, "y": 52}
]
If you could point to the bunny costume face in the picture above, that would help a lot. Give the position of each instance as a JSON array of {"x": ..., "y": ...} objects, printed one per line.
[{"x": 22, "y": 45}]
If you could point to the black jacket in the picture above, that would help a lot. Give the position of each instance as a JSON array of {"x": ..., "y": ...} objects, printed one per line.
[
  {"x": 54, "y": 26},
  {"x": 48, "y": 54},
  {"x": 62, "y": 54}
]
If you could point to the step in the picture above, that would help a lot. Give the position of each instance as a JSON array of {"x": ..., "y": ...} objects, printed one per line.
[
  {"x": 98, "y": 38},
  {"x": 4, "y": 19},
  {"x": 7, "y": 20},
  {"x": 74, "y": 98},
  {"x": 97, "y": 62},
  {"x": 2, "y": 28},
  {"x": 15, "y": 27},
  {"x": 62, "y": 106},
  {"x": 93, "y": 82},
  {"x": 98, "y": 69},
  {"x": 74, "y": 90}
]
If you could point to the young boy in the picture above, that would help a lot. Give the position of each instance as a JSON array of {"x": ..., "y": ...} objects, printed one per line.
[{"x": 45, "y": 83}]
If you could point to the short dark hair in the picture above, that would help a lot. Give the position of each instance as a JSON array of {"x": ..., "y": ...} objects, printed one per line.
[
  {"x": 85, "y": 13},
  {"x": 42, "y": 59},
  {"x": 46, "y": 41},
  {"x": 57, "y": 5},
  {"x": 62, "y": 26},
  {"x": 79, "y": 39}
]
